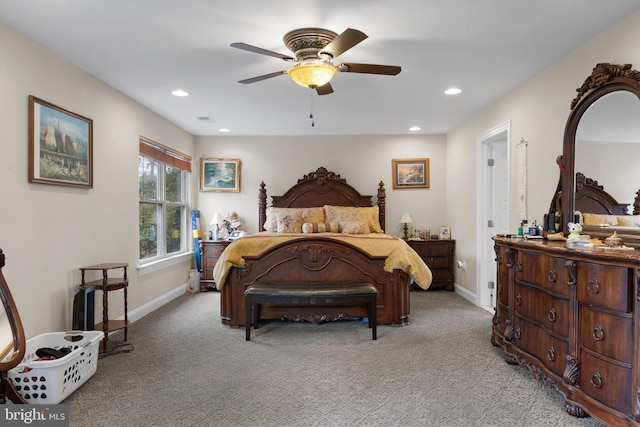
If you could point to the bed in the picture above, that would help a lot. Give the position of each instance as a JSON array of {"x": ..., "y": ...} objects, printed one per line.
[
  {"x": 343, "y": 253},
  {"x": 602, "y": 214}
]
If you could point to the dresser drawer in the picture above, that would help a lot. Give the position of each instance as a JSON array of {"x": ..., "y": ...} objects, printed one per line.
[
  {"x": 425, "y": 249},
  {"x": 605, "y": 381},
  {"x": 436, "y": 262},
  {"x": 502, "y": 289},
  {"x": 542, "y": 270},
  {"x": 539, "y": 306},
  {"x": 606, "y": 333},
  {"x": 604, "y": 286},
  {"x": 533, "y": 339}
]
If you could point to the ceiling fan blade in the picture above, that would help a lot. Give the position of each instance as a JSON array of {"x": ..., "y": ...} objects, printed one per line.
[
  {"x": 263, "y": 77},
  {"x": 325, "y": 89},
  {"x": 261, "y": 51},
  {"x": 350, "y": 67},
  {"x": 345, "y": 41}
]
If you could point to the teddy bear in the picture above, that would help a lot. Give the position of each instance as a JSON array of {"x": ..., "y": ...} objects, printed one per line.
[{"x": 574, "y": 232}]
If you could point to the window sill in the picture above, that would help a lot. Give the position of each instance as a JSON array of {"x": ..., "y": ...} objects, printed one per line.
[{"x": 153, "y": 266}]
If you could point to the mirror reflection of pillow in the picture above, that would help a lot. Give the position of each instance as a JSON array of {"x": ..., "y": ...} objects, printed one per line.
[
  {"x": 629, "y": 220},
  {"x": 599, "y": 219}
]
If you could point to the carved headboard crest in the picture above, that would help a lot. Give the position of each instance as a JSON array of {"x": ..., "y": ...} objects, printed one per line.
[
  {"x": 601, "y": 74},
  {"x": 322, "y": 175}
]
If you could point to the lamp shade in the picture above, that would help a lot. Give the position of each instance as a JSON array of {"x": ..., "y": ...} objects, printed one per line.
[
  {"x": 217, "y": 219},
  {"x": 312, "y": 73},
  {"x": 405, "y": 218}
]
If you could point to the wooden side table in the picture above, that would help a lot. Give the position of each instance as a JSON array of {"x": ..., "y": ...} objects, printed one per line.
[
  {"x": 106, "y": 285},
  {"x": 210, "y": 251},
  {"x": 438, "y": 255}
]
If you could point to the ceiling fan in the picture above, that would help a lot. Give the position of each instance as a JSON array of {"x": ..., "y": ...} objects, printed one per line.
[{"x": 313, "y": 50}]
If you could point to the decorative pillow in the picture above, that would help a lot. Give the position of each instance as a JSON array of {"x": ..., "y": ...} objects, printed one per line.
[
  {"x": 355, "y": 227},
  {"x": 289, "y": 222},
  {"x": 599, "y": 219},
  {"x": 319, "y": 227},
  {"x": 351, "y": 213},
  {"x": 629, "y": 220},
  {"x": 308, "y": 215}
]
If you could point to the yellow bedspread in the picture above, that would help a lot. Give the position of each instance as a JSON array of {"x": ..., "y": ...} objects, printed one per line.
[{"x": 399, "y": 254}]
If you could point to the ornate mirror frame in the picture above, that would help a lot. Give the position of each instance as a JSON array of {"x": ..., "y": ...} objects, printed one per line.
[
  {"x": 605, "y": 78},
  {"x": 12, "y": 355}
]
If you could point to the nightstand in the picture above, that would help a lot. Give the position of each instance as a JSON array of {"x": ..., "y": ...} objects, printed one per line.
[
  {"x": 438, "y": 255},
  {"x": 210, "y": 252}
]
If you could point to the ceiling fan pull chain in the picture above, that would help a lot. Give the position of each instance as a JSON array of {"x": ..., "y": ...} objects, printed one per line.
[{"x": 311, "y": 113}]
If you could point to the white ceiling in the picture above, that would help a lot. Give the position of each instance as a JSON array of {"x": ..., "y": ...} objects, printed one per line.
[{"x": 147, "y": 48}]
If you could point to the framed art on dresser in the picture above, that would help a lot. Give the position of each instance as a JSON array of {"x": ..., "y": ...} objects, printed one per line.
[{"x": 60, "y": 146}]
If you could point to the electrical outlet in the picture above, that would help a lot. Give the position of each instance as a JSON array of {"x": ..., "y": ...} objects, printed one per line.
[{"x": 461, "y": 265}]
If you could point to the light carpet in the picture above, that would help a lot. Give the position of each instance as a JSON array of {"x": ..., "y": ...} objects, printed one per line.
[{"x": 187, "y": 369}]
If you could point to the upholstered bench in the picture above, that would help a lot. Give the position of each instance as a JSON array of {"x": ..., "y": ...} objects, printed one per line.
[{"x": 309, "y": 294}]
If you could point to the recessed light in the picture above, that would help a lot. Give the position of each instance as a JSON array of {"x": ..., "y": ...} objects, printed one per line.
[
  {"x": 224, "y": 130},
  {"x": 415, "y": 128},
  {"x": 179, "y": 92},
  {"x": 453, "y": 91}
]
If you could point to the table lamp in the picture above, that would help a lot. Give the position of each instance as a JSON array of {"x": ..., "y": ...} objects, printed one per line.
[
  {"x": 405, "y": 219},
  {"x": 216, "y": 221}
]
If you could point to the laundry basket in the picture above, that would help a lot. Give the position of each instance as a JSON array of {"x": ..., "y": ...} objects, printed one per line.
[{"x": 52, "y": 381}]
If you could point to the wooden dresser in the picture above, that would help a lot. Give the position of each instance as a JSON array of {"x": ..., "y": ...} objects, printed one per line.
[
  {"x": 571, "y": 317},
  {"x": 211, "y": 251},
  {"x": 438, "y": 255}
]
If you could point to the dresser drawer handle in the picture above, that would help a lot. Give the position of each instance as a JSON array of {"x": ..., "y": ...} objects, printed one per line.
[
  {"x": 551, "y": 354},
  {"x": 517, "y": 333},
  {"x": 499, "y": 288},
  {"x": 552, "y": 315},
  {"x": 518, "y": 300},
  {"x": 518, "y": 266},
  {"x": 592, "y": 286},
  {"x": 596, "y": 380},
  {"x": 552, "y": 276},
  {"x": 598, "y": 333}
]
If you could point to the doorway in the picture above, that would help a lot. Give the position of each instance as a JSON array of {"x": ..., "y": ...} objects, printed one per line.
[{"x": 492, "y": 206}]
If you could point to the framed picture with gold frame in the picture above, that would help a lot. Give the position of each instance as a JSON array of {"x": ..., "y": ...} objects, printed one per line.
[
  {"x": 60, "y": 146},
  {"x": 220, "y": 175},
  {"x": 410, "y": 173}
]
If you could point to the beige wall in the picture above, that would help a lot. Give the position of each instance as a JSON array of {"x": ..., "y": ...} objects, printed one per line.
[
  {"x": 538, "y": 111},
  {"x": 47, "y": 232},
  {"x": 362, "y": 160}
]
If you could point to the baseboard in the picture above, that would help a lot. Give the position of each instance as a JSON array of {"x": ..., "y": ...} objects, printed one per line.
[
  {"x": 466, "y": 294},
  {"x": 155, "y": 304}
]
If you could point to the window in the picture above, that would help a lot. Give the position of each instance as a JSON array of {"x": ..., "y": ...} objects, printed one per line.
[{"x": 163, "y": 181}]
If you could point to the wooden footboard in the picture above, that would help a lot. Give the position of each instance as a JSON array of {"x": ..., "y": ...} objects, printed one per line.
[{"x": 315, "y": 260}]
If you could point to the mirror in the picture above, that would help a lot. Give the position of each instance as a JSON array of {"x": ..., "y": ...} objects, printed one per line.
[
  {"x": 606, "y": 79},
  {"x": 608, "y": 145},
  {"x": 12, "y": 340}
]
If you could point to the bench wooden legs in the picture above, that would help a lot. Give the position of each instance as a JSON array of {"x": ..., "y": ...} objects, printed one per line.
[{"x": 320, "y": 296}]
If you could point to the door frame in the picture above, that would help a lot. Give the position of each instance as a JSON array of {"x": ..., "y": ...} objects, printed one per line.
[{"x": 486, "y": 270}]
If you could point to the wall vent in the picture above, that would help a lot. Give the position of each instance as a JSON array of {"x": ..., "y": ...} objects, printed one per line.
[{"x": 206, "y": 119}]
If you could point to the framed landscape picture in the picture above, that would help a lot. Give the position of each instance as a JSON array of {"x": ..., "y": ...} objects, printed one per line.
[
  {"x": 220, "y": 175},
  {"x": 410, "y": 173},
  {"x": 60, "y": 146}
]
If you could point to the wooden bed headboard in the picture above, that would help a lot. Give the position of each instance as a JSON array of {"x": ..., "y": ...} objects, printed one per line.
[
  {"x": 320, "y": 188},
  {"x": 592, "y": 198}
]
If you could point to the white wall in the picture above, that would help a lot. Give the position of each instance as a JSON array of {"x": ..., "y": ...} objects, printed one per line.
[
  {"x": 538, "y": 111},
  {"x": 363, "y": 161},
  {"x": 47, "y": 232}
]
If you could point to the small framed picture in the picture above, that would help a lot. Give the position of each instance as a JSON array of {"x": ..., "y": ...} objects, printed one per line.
[
  {"x": 445, "y": 233},
  {"x": 410, "y": 173},
  {"x": 220, "y": 175}
]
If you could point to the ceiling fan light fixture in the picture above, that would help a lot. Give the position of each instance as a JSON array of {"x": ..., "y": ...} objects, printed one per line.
[{"x": 312, "y": 74}]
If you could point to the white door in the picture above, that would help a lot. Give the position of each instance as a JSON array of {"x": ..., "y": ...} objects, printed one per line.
[{"x": 493, "y": 206}]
